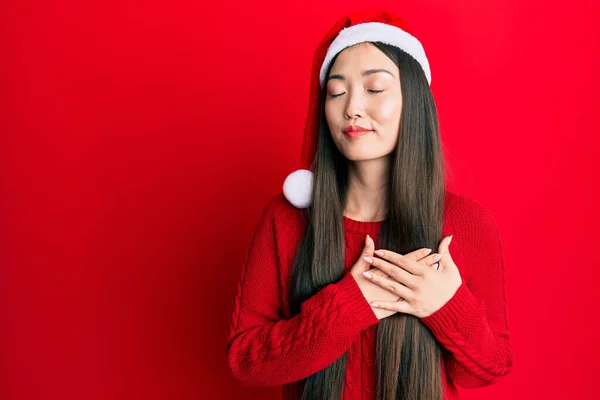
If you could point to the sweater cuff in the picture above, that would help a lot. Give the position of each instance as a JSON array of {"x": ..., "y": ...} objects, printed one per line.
[
  {"x": 350, "y": 296},
  {"x": 458, "y": 315}
]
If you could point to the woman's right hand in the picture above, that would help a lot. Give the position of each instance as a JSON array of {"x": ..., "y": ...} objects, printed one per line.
[{"x": 373, "y": 292}]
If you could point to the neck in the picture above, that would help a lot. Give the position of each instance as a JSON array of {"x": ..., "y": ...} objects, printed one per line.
[{"x": 368, "y": 185}]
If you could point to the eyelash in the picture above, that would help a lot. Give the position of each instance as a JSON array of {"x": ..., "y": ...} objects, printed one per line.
[{"x": 333, "y": 96}]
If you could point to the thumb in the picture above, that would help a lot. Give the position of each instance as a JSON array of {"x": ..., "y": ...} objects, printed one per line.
[
  {"x": 369, "y": 248},
  {"x": 368, "y": 251},
  {"x": 444, "y": 249}
]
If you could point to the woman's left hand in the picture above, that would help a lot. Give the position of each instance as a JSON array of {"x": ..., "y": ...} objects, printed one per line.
[{"x": 423, "y": 290}]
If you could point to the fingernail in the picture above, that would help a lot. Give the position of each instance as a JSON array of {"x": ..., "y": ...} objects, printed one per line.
[
  {"x": 426, "y": 251},
  {"x": 374, "y": 304},
  {"x": 368, "y": 259},
  {"x": 449, "y": 240},
  {"x": 437, "y": 257},
  {"x": 379, "y": 253},
  {"x": 367, "y": 274}
]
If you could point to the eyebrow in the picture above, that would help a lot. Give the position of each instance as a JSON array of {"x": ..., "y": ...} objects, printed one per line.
[{"x": 364, "y": 73}]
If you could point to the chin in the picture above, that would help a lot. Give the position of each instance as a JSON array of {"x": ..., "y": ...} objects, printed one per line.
[
  {"x": 358, "y": 156},
  {"x": 364, "y": 149}
]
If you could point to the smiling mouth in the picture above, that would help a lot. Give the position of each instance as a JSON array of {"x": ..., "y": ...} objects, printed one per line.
[{"x": 356, "y": 134}]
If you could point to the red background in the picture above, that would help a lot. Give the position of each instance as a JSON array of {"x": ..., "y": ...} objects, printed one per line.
[{"x": 139, "y": 142}]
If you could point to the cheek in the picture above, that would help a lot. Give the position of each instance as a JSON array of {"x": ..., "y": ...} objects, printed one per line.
[
  {"x": 387, "y": 110},
  {"x": 328, "y": 110},
  {"x": 331, "y": 115}
]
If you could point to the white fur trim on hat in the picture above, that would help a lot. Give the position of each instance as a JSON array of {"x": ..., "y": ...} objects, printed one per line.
[
  {"x": 376, "y": 32},
  {"x": 298, "y": 188}
]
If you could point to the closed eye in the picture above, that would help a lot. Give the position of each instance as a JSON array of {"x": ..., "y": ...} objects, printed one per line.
[{"x": 333, "y": 96}]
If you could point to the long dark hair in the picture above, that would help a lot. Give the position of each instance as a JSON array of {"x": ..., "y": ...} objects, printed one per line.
[{"x": 408, "y": 356}]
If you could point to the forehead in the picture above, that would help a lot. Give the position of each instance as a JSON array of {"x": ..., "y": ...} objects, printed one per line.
[{"x": 362, "y": 56}]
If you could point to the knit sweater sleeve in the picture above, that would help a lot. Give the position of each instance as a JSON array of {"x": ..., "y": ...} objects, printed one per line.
[
  {"x": 265, "y": 349},
  {"x": 472, "y": 325}
]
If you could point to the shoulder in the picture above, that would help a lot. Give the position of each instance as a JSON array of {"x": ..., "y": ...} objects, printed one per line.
[
  {"x": 283, "y": 226},
  {"x": 279, "y": 206},
  {"x": 468, "y": 215},
  {"x": 284, "y": 215},
  {"x": 477, "y": 245}
]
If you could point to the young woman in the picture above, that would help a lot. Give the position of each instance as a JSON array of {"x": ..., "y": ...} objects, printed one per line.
[{"x": 349, "y": 289}]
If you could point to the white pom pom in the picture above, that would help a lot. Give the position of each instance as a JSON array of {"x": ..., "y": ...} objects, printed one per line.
[{"x": 298, "y": 188}]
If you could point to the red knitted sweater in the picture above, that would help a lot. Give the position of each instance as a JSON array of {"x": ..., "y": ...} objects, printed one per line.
[{"x": 267, "y": 347}]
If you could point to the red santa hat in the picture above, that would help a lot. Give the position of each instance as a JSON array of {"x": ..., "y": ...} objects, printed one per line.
[{"x": 367, "y": 26}]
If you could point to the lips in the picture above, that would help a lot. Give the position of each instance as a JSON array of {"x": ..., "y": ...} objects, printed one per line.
[{"x": 354, "y": 131}]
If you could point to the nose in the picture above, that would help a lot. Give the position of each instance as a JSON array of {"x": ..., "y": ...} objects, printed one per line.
[{"x": 354, "y": 105}]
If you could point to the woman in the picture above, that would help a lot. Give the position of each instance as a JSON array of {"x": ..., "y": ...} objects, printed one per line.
[{"x": 320, "y": 308}]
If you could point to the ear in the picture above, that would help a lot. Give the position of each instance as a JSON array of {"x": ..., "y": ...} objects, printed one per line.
[{"x": 298, "y": 188}]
